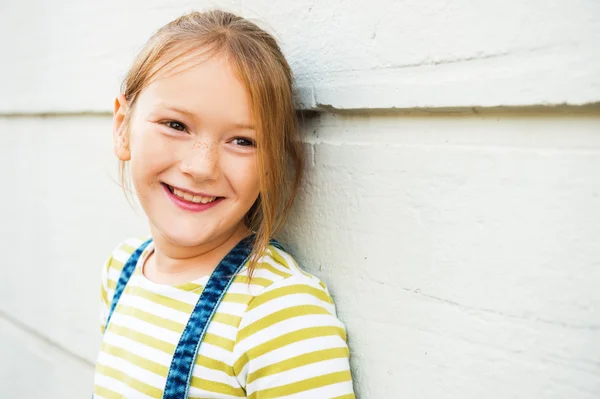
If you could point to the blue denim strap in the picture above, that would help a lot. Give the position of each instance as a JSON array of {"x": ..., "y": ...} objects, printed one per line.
[
  {"x": 184, "y": 358},
  {"x": 126, "y": 273}
]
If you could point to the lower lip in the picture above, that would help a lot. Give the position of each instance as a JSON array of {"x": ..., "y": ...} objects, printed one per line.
[{"x": 187, "y": 205}]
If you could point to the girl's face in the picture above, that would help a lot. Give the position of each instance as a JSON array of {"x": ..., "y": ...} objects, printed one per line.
[{"x": 192, "y": 152}]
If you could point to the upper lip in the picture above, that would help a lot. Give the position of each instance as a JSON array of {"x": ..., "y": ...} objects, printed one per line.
[{"x": 192, "y": 192}]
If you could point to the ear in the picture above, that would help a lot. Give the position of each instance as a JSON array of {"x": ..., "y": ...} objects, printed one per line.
[{"x": 120, "y": 136}]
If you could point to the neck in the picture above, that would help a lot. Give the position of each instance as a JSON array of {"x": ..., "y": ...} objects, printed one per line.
[{"x": 172, "y": 264}]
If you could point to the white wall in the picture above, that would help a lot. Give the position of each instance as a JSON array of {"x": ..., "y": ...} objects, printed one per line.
[
  {"x": 69, "y": 55},
  {"x": 459, "y": 241}
]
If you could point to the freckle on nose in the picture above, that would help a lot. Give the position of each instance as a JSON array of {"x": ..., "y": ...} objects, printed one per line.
[{"x": 200, "y": 144}]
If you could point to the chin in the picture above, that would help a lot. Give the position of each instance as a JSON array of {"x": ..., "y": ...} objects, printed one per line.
[
  {"x": 188, "y": 235},
  {"x": 188, "y": 239}
]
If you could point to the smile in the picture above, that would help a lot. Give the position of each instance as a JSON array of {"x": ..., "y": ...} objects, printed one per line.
[
  {"x": 190, "y": 201},
  {"x": 191, "y": 197}
]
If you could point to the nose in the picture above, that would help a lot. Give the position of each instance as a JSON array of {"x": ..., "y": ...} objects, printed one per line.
[{"x": 202, "y": 161}]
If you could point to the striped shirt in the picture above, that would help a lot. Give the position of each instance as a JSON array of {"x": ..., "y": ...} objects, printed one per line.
[{"x": 277, "y": 337}]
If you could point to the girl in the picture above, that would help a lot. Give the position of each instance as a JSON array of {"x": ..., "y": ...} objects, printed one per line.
[{"x": 210, "y": 306}]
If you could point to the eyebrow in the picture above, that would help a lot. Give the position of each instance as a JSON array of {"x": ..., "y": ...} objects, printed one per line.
[
  {"x": 176, "y": 109},
  {"x": 243, "y": 126},
  {"x": 191, "y": 114}
]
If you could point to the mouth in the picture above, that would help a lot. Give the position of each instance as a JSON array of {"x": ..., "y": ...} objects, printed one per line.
[{"x": 189, "y": 200}]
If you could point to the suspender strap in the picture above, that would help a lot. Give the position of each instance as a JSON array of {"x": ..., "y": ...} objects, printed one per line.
[
  {"x": 184, "y": 358},
  {"x": 126, "y": 273}
]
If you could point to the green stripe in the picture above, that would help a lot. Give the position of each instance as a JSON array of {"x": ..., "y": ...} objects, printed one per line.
[
  {"x": 214, "y": 364},
  {"x": 287, "y": 339},
  {"x": 289, "y": 290},
  {"x": 147, "y": 340},
  {"x": 127, "y": 248},
  {"x": 151, "y": 318},
  {"x": 219, "y": 341},
  {"x": 299, "y": 361},
  {"x": 130, "y": 381},
  {"x": 217, "y": 387},
  {"x": 160, "y": 299},
  {"x": 136, "y": 360},
  {"x": 107, "y": 393},
  {"x": 263, "y": 282},
  {"x": 272, "y": 269},
  {"x": 302, "y": 386},
  {"x": 237, "y": 298},
  {"x": 280, "y": 259},
  {"x": 228, "y": 319},
  {"x": 191, "y": 287},
  {"x": 279, "y": 316}
]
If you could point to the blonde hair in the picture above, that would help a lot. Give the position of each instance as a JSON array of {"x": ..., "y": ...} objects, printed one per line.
[{"x": 260, "y": 65}]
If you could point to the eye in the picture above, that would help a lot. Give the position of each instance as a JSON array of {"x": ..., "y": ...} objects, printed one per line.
[
  {"x": 244, "y": 142},
  {"x": 180, "y": 127}
]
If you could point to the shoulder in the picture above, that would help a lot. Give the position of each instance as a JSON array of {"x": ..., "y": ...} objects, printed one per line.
[
  {"x": 111, "y": 272},
  {"x": 121, "y": 253},
  {"x": 114, "y": 264},
  {"x": 289, "y": 319},
  {"x": 287, "y": 292},
  {"x": 278, "y": 274}
]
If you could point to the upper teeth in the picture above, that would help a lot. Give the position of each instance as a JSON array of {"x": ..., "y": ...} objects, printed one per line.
[{"x": 193, "y": 198}]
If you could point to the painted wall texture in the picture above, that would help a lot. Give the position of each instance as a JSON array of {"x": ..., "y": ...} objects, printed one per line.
[{"x": 452, "y": 199}]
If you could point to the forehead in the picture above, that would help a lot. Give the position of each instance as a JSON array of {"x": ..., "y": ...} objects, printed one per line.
[{"x": 207, "y": 86}]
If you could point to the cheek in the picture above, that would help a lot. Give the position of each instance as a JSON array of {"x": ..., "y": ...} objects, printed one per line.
[
  {"x": 244, "y": 178},
  {"x": 149, "y": 145},
  {"x": 151, "y": 153}
]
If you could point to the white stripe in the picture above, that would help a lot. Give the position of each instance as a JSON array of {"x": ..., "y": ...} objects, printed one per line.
[
  {"x": 292, "y": 350},
  {"x": 119, "y": 387},
  {"x": 290, "y": 261},
  {"x": 109, "y": 297},
  {"x": 232, "y": 308},
  {"x": 244, "y": 288},
  {"x": 294, "y": 280},
  {"x": 103, "y": 316},
  {"x": 284, "y": 327},
  {"x": 215, "y": 375},
  {"x": 134, "y": 241},
  {"x": 278, "y": 265},
  {"x": 148, "y": 352},
  {"x": 222, "y": 330},
  {"x": 154, "y": 355},
  {"x": 327, "y": 392},
  {"x": 267, "y": 274},
  {"x": 158, "y": 356},
  {"x": 299, "y": 374},
  {"x": 190, "y": 298},
  {"x": 132, "y": 370},
  {"x": 195, "y": 393},
  {"x": 282, "y": 303},
  {"x": 216, "y": 353},
  {"x": 113, "y": 274},
  {"x": 121, "y": 255},
  {"x": 156, "y": 309},
  {"x": 143, "y": 327}
]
